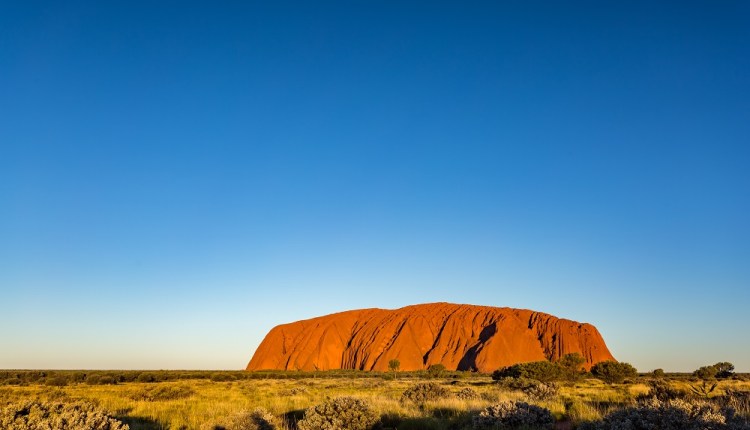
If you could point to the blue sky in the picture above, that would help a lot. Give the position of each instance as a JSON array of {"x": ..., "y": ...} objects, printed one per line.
[{"x": 176, "y": 179}]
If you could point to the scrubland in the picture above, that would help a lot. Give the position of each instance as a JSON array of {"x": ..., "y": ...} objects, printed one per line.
[{"x": 451, "y": 401}]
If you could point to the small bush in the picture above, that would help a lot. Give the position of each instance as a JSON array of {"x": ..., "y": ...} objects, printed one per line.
[
  {"x": 670, "y": 415},
  {"x": 467, "y": 394},
  {"x": 541, "y": 391},
  {"x": 57, "y": 416},
  {"x": 658, "y": 373},
  {"x": 149, "y": 377},
  {"x": 259, "y": 419},
  {"x": 222, "y": 377},
  {"x": 93, "y": 379},
  {"x": 294, "y": 391},
  {"x": 161, "y": 393},
  {"x": 514, "y": 415},
  {"x": 425, "y": 392},
  {"x": 107, "y": 380},
  {"x": 518, "y": 384},
  {"x": 613, "y": 372},
  {"x": 341, "y": 413},
  {"x": 57, "y": 381}
]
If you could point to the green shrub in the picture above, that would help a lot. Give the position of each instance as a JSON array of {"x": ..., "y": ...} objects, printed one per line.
[
  {"x": 425, "y": 392},
  {"x": 658, "y": 373},
  {"x": 436, "y": 370},
  {"x": 341, "y": 413},
  {"x": 543, "y": 371},
  {"x": 162, "y": 393},
  {"x": 57, "y": 381},
  {"x": 514, "y": 415},
  {"x": 571, "y": 366},
  {"x": 107, "y": 380},
  {"x": 149, "y": 377},
  {"x": 613, "y": 372},
  {"x": 93, "y": 379},
  {"x": 719, "y": 370},
  {"x": 57, "y": 416},
  {"x": 222, "y": 377}
]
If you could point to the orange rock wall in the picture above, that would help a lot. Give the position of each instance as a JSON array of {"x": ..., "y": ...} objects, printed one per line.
[{"x": 463, "y": 337}]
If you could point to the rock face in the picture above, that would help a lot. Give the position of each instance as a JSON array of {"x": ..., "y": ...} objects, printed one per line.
[{"x": 463, "y": 337}]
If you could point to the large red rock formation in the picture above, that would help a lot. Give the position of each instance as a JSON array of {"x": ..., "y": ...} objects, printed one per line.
[{"x": 463, "y": 337}]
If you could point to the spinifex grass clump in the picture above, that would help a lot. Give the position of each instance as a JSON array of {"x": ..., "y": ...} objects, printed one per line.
[
  {"x": 57, "y": 416},
  {"x": 514, "y": 415},
  {"x": 349, "y": 413},
  {"x": 425, "y": 392}
]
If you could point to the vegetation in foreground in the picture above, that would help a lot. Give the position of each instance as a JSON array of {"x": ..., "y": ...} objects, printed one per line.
[{"x": 523, "y": 397}]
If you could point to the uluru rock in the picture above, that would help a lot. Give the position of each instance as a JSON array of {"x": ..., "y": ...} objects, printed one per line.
[{"x": 462, "y": 337}]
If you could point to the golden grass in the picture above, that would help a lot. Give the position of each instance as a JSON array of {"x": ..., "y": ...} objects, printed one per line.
[{"x": 581, "y": 401}]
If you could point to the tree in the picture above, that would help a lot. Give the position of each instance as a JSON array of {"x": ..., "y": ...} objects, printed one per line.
[
  {"x": 572, "y": 365},
  {"x": 722, "y": 369},
  {"x": 613, "y": 372},
  {"x": 393, "y": 365},
  {"x": 658, "y": 373},
  {"x": 436, "y": 370}
]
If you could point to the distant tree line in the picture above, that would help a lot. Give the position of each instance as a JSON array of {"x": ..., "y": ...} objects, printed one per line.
[{"x": 568, "y": 368}]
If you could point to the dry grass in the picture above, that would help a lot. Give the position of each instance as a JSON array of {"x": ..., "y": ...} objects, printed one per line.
[{"x": 209, "y": 402}]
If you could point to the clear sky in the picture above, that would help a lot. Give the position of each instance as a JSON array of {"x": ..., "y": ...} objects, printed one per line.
[{"x": 176, "y": 178}]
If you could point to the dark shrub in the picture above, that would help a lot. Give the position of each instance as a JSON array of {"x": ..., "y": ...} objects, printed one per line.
[
  {"x": 719, "y": 370},
  {"x": 93, "y": 379},
  {"x": 222, "y": 377},
  {"x": 425, "y": 392},
  {"x": 514, "y": 415},
  {"x": 341, "y": 413},
  {"x": 658, "y": 373},
  {"x": 107, "y": 380},
  {"x": 543, "y": 371},
  {"x": 613, "y": 372},
  {"x": 436, "y": 370},
  {"x": 56, "y": 381},
  {"x": 163, "y": 393}
]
